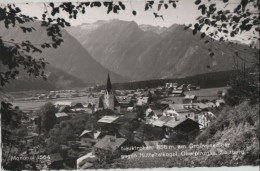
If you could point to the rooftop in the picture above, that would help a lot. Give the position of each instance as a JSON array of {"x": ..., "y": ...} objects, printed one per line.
[
  {"x": 110, "y": 143},
  {"x": 173, "y": 123},
  {"x": 108, "y": 119},
  {"x": 61, "y": 115},
  {"x": 161, "y": 121},
  {"x": 190, "y": 97}
]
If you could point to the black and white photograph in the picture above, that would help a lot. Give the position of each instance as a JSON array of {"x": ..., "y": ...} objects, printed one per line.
[{"x": 130, "y": 84}]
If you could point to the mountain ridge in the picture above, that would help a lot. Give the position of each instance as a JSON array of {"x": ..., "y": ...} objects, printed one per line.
[
  {"x": 70, "y": 57},
  {"x": 125, "y": 48}
]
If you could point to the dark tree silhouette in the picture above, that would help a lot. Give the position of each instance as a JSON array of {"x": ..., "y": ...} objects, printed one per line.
[{"x": 47, "y": 113}]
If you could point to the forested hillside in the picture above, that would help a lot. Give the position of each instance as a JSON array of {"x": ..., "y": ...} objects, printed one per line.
[{"x": 239, "y": 127}]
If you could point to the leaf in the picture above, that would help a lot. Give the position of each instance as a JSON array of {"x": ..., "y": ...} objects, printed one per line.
[
  {"x": 174, "y": 5},
  {"x": 52, "y": 4},
  {"x": 186, "y": 27},
  {"x": 248, "y": 27},
  {"x": 194, "y": 31},
  {"x": 121, "y": 5},
  {"x": 159, "y": 6},
  {"x": 203, "y": 9},
  {"x": 202, "y": 35},
  {"x": 197, "y": 2},
  {"x": 146, "y": 7},
  {"x": 225, "y": 31},
  {"x": 54, "y": 45},
  {"x": 244, "y": 4}
]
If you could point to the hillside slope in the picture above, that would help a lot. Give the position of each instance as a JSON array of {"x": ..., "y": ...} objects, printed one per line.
[
  {"x": 70, "y": 57},
  {"x": 56, "y": 79},
  {"x": 238, "y": 126},
  {"x": 140, "y": 53}
]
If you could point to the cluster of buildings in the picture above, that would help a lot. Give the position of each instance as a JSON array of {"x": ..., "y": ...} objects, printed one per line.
[{"x": 166, "y": 109}]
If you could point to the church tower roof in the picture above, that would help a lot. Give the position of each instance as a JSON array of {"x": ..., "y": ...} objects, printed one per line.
[{"x": 109, "y": 85}]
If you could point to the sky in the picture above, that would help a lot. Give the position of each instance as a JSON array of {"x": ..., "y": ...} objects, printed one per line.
[{"x": 185, "y": 13}]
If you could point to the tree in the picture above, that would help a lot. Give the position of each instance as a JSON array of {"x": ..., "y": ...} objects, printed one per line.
[
  {"x": 47, "y": 113},
  {"x": 54, "y": 141},
  {"x": 244, "y": 86}
]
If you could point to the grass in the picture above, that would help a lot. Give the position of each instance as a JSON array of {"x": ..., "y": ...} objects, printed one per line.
[
  {"x": 238, "y": 126},
  {"x": 36, "y": 104}
]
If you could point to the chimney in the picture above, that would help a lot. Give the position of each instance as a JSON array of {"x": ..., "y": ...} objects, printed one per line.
[
  {"x": 177, "y": 117},
  {"x": 112, "y": 139}
]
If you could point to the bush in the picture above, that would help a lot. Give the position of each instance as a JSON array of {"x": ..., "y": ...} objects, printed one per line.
[{"x": 244, "y": 86}]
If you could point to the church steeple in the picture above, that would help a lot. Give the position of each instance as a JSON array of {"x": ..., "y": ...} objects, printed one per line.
[{"x": 109, "y": 85}]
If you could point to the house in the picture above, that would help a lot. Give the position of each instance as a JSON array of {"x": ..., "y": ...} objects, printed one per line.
[
  {"x": 56, "y": 161},
  {"x": 182, "y": 110},
  {"x": 152, "y": 143},
  {"x": 184, "y": 125},
  {"x": 124, "y": 119},
  {"x": 124, "y": 101},
  {"x": 204, "y": 118},
  {"x": 207, "y": 105},
  {"x": 171, "y": 113},
  {"x": 221, "y": 94},
  {"x": 171, "y": 85},
  {"x": 86, "y": 161},
  {"x": 153, "y": 112},
  {"x": 108, "y": 119},
  {"x": 62, "y": 103},
  {"x": 76, "y": 105},
  {"x": 220, "y": 102},
  {"x": 181, "y": 87},
  {"x": 189, "y": 99},
  {"x": 89, "y": 137},
  {"x": 191, "y": 87},
  {"x": 161, "y": 121},
  {"x": 142, "y": 101},
  {"x": 109, "y": 147},
  {"x": 64, "y": 109},
  {"x": 80, "y": 110},
  {"x": 107, "y": 126},
  {"x": 130, "y": 109},
  {"x": 61, "y": 117},
  {"x": 109, "y": 100},
  {"x": 176, "y": 93}
]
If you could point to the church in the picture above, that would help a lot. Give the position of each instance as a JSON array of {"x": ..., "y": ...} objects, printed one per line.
[{"x": 108, "y": 100}]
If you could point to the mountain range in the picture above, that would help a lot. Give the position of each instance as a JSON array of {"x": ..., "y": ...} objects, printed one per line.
[
  {"x": 127, "y": 51},
  {"x": 143, "y": 52},
  {"x": 70, "y": 57}
]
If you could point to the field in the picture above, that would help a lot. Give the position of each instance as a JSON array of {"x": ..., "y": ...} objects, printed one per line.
[
  {"x": 207, "y": 93},
  {"x": 36, "y": 104}
]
